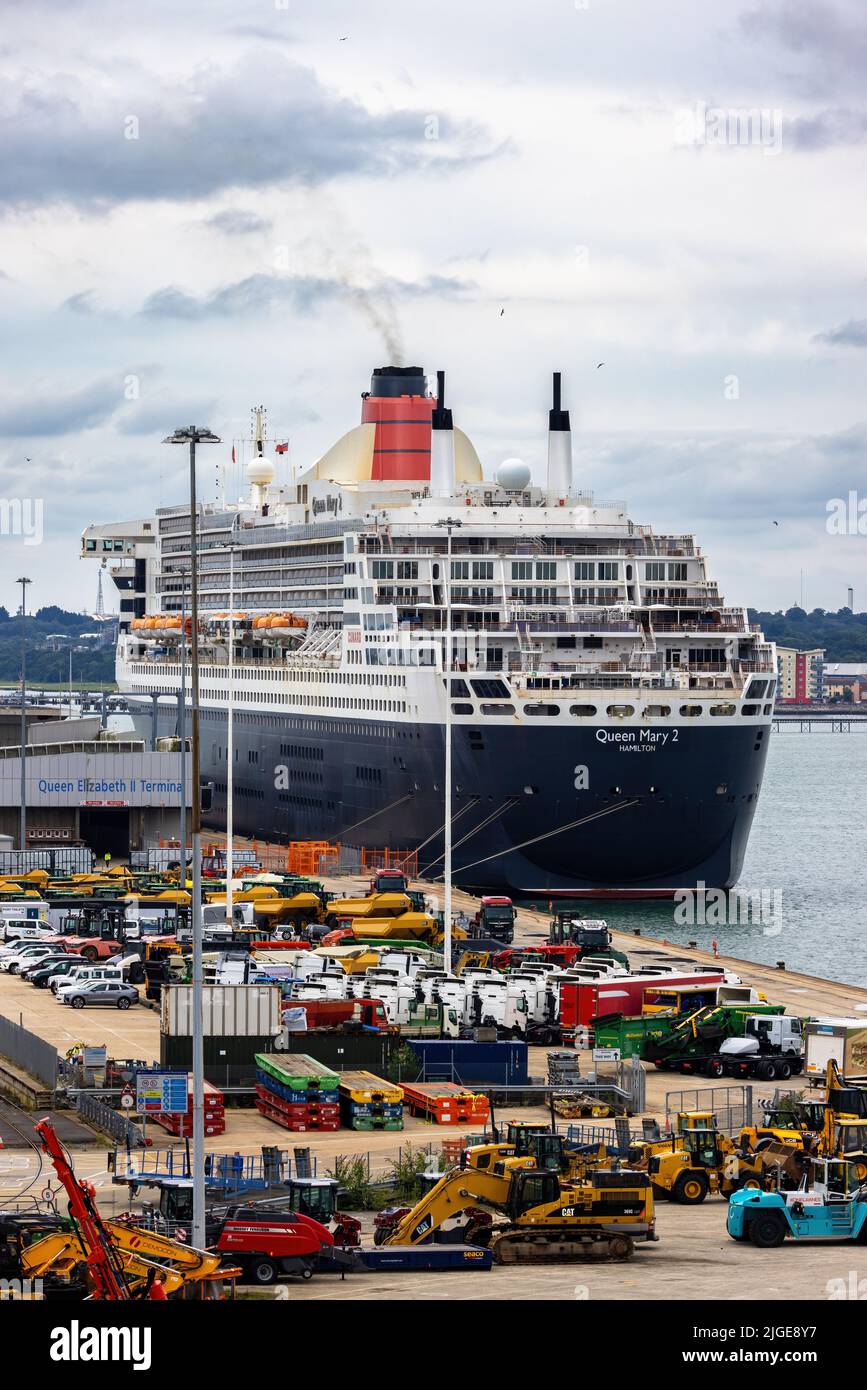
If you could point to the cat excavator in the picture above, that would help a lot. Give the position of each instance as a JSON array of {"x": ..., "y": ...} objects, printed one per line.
[
  {"x": 114, "y": 1260},
  {"x": 544, "y": 1218}
]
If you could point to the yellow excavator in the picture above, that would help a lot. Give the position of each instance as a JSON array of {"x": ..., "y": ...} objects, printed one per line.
[
  {"x": 114, "y": 1260},
  {"x": 543, "y": 1218},
  {"x": 142, "y": 1254}
]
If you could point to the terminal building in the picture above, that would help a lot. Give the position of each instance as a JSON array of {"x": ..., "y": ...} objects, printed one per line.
[{"x": 87, "y": 785}]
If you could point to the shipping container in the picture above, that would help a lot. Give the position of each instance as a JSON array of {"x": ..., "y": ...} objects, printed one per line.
[
  {"x": 228, "y": 1011},
  {"x": 229, "y": 1062},
  {"x": 344, "y": 1051},
  {"x": 841, "y": 1040},
  {"x": 471, "y": 1063}
]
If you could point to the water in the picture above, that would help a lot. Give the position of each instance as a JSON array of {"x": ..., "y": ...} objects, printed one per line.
[{"x": 809, "y": 842}]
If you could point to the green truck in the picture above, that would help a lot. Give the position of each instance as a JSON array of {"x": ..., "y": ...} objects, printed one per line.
[{"x": 738, "y": 1040}]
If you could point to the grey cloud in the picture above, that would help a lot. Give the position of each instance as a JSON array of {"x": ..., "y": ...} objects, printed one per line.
[
  {"x": 81, "y": 303},
  {"x": 851, "y": 334},
  {"x": 259, "y": 293},
  {"x": 744, "y": 478},
  {"x": 827, "y": 128},
  {"x": 828, "y": 42},
  {"x": 238, "y": 222},
  {"x": 32, "y": 416},
  {"x": 159, "y": 414},
  {"x": 265, "y": 121}
]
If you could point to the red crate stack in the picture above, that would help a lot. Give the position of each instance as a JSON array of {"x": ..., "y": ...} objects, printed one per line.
[{"x": 215, "y": 1114}]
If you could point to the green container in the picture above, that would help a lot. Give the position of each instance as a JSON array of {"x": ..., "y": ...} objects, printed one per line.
[
  {"x": 632, "y": 1034},
  {"x": 298, "y": 1072}
]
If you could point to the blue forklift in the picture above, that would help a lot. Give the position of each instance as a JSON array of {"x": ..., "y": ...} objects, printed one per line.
[{"x": 829, "y": 1203}]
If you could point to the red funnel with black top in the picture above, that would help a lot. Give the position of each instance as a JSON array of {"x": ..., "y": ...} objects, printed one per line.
[{"x": 401, "y": 409}]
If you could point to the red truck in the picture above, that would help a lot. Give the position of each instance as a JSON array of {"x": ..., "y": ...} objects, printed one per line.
[
  {"x": 515, "y": 957},
  {"x": 581, "y": 1002},
  {"x": 338, "y": 1013}
]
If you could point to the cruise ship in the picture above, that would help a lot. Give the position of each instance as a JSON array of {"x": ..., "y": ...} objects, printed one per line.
[{"x": 610, "y": 715}]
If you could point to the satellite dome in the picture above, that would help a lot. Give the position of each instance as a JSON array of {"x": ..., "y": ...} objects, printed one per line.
[
  {"x": 513, "y": 475},
  {"x": 260, "y": 471}
]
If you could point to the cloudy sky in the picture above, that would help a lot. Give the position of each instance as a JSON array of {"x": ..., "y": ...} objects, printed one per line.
[{"x": 207, "y": 204}]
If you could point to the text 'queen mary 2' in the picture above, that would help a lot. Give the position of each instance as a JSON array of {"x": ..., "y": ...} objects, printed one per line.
[{"x": 610, "y": 714}]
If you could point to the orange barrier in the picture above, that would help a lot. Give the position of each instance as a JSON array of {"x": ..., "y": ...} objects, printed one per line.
[
  {"x": 404, "y": 859},
  {"x": 445, "y": 1103}
]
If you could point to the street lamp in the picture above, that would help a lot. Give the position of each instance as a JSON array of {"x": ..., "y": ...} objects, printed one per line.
[
  {"x": 192, "y": 435},
  {"x": 449, "y": 523},
  {"x": 22, "y": 834},
  {"x": 230, "y": 734},
  {"x": 182, "y": 730}
]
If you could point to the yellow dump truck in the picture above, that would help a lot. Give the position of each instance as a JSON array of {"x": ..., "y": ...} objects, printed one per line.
[
  {"x": 276, "y": 905},
  {"x": 371, "y": 908}
]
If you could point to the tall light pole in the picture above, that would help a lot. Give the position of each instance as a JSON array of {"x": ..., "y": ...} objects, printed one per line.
[
  {"x": 230, "y": 737},
  {"x": 182, "y": 730},
  {"x": 449, "y": 523},
  {"x": 192, "y": 436},
  {"x": 22, "y": 833}
]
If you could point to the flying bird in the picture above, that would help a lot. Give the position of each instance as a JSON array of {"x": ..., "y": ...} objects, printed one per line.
[
  {"x": 776, "y": 523},
  {"x": 343, "y": 40},
  {"x": 502, "y": 311},
  {"x": 599, "y": 364}
]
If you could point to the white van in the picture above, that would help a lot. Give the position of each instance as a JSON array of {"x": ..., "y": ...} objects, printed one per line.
[
  {"x": 25, "y": 929},
  {"x": 88, "y": 972}
]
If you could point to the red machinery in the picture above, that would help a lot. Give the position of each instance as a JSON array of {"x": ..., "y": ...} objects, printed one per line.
[
  {"x": 268, "y": 1244},
  {"x": 103, "y": 1261}
]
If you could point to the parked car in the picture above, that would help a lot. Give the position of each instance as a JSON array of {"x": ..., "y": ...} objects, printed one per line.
[
  {"x": 33, "y": 951},
  {"x": 65, "y": 970},
  {"x": 87, "y": 974},
  {"x": 43, "y": 963},
  {"x": 102, "y": 992}
]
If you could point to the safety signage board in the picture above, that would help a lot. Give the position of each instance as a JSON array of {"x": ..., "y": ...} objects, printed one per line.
[{"x": 161, "y": 1092}]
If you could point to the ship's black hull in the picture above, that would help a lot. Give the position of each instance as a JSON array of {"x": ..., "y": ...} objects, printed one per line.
[{"x": 649, "y": 814}]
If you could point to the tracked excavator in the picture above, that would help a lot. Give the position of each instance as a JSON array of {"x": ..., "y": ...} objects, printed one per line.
[
  {"x": 115, "y": 1260},
  {"x": 543, "y": 1217}
]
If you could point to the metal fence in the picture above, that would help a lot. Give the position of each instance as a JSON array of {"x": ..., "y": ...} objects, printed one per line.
[
  {"x": 95, "y": 1112},
  {"x": 28, "y": 1051},
  {"x": 68, "y": 859},
  {"x": 732, "y": 1105}
]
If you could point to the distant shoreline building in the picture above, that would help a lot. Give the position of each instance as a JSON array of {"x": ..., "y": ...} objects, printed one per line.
[
  {"x": 801, "y": 675},
  {"x": 846, "y": 679}
]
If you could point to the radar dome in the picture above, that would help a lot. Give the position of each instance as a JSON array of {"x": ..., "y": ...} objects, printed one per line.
[
  {"x": 260, "y": 471},
  {"x": 513, "y": 475}
]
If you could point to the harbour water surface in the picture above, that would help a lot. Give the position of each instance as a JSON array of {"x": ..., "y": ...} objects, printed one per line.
[{"x": 807, "y": 854}]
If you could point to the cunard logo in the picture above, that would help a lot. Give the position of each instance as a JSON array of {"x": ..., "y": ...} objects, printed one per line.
[{"x": 329, "y": 504}]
